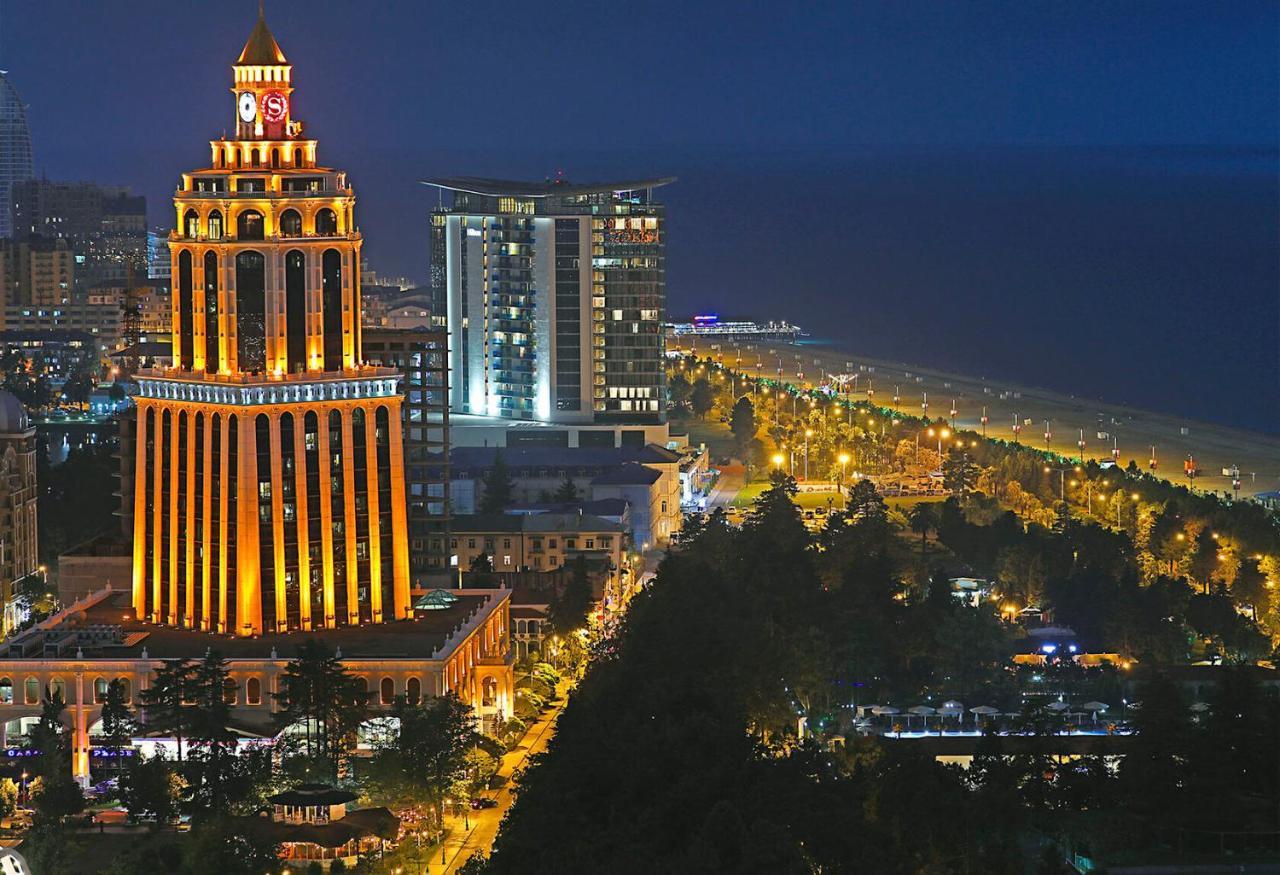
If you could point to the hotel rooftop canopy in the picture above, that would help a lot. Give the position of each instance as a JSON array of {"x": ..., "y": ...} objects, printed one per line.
[{"x": 550, "y": 188}]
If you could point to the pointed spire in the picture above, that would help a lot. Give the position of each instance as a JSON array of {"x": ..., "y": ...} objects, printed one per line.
[{"x": 261, "y": 48}]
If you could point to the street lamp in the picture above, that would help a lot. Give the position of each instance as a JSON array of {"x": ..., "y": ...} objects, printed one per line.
[
  {"x": 943, "y": 434},
  {"x": 808, "y": 433},
  {"x": 843, "y": 459}
]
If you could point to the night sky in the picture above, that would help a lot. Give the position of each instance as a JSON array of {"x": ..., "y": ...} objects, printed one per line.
[{"x": 1078, "y": 195}]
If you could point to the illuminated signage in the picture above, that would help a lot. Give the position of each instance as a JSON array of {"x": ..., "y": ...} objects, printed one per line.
[{"x": 275, "y": 106}]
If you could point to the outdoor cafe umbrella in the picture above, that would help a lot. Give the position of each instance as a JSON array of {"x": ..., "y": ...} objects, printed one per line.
[
  {"x": 1057, "y": 706},
  {"x": 883, "y": 710},
  {"x": 983, "y": 711},
  {"x": 1094, "y": 708},
  {"x": 923, "y": 712}
]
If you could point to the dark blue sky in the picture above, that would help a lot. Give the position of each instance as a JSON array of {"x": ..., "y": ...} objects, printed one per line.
[{"x": 928, "y": 181}]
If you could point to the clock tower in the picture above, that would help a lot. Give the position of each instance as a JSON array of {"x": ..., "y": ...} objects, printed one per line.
[
  {"x": 269, "y": 493},
  {"x": 262, "y": 88}
]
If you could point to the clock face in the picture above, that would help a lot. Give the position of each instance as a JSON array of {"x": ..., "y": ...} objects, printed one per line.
[
  {"x": 248, "y": 106},
  {"x": 275, "y": 106}
]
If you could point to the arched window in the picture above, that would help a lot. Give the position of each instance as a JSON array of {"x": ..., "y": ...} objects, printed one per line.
[
  {"x": 331, "y": 306},
  {"x": 239, "y": 159},
  {"x": 413, "y": 691},
  {"x": 58, "y": 689},
  {"x": 275, "y": 157},
  {"x": 191, "y": 224},
  {"x": 6, "y": 691},
  {"x": 215, "y": 225},
  {"x": 185, "y": 331},
  {"x": 295, "y": 309},
  {"x": 297, "y": 157},
  {"x": 326, "y": 222},
  {"x": 99, "y": 690},
  {"x": 387, "y": 691},
  {"x": 254, "y": 158},
  {"x": 31, "y": 691},
  {"x": 290, "y": 224},
  {"x": 489, "y": 692},
  {"x": 222, "y": 157},
  {"x": 126, "y": 689},
  {"x": 253, "y": 692},
  {"x": 249, "y": 225},
  {"x": 251, "y": 326},
  {"x": 211, "y": 363}
]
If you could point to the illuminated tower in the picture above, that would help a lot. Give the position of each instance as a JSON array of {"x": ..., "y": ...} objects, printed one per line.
[{"x": 269, "y": 468}]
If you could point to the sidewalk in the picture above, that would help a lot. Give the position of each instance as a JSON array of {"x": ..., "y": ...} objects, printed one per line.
[{"x": 477, "y": 831}]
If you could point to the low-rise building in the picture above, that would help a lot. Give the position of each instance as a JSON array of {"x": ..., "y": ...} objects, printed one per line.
[
  {"x": 536, "y": 542},
  {"x": 460, "y": 645},
  {"x": 626, "y": 473}
]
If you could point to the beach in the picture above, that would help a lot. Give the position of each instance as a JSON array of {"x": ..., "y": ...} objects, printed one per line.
[{"x": 1133, "y": 431}]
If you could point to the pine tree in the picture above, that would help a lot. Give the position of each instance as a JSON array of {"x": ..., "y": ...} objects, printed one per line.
[
  {"x": 164, "y": 701},
  {"x": 498, "y": 487},
  {"x": 213, "y": 744},
  {"x": 569, "y": 610},
  {"x": 568, "y": 491},
  {"x": 117, "y": 724},
  {"x": 317, "y": 690}
]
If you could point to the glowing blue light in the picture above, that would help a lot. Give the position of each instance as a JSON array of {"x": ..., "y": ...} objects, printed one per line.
[{"x": 1049, "y": 648}]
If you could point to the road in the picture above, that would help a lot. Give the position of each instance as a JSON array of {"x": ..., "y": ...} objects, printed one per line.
[
  {"x": 477, "y": 831},
  {"x": 1132, "y": 430},
  {"x": 732, "y": 478}
]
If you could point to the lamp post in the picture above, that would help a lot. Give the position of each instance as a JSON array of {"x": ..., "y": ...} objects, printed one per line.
[
  {"x": 943, "y": 434},
  {"x": 808, "y": 433},
  {"x": 843, "y": 459}
]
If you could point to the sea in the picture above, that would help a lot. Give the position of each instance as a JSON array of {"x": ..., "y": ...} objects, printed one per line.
[{"x": 1145, "y": 277}]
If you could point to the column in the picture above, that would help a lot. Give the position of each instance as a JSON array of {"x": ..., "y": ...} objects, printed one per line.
[
  {"x": 140, "y": 486},
  {"x": 277, "y": 523},
  {"x": 206, "y": 514},
  {"x": 349, "y": 517},
  {"x": 248, "y": 566},
  {"x": 188, "y": 533},
  {"x": 80, "y": 736},
  {"x": 197, "y": 307},
  {"x": 301, "y": 515},
  {"x": 175, "y": 424},
  {"x": 326, "y": 516},
  {"x": 399, "y": 530},
  {"x": 157, "y": 513},
  {"x": 224, "y": 477},
  {"x": 350, "y": 306},
  {"x": 372, "y": 506}
]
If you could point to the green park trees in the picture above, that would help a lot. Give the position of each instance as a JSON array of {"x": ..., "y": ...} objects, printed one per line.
[
  {"x": 426, "y": 758},
  {"x": 702, "y": 397}
]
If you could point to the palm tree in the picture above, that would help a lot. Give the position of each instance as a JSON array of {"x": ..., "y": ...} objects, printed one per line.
[{"x": 923, "y": 521}]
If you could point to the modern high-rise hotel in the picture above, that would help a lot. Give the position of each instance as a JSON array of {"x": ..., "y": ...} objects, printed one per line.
[
  {"x": 555, "y": 298},
  {"x": 269, "y": 472}
]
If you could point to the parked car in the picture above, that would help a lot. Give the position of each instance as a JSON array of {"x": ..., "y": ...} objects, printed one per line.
[{"x": 479, "y": 802}]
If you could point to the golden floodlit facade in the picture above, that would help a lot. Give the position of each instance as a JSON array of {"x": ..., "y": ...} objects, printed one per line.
[{"x": 269, "y": 464}]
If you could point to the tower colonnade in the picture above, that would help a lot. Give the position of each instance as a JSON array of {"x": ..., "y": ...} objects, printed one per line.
[{"x": 269, "y": 472}]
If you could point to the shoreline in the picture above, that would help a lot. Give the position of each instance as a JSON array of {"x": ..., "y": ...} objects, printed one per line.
[{"x": 1133, "y": 430}]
